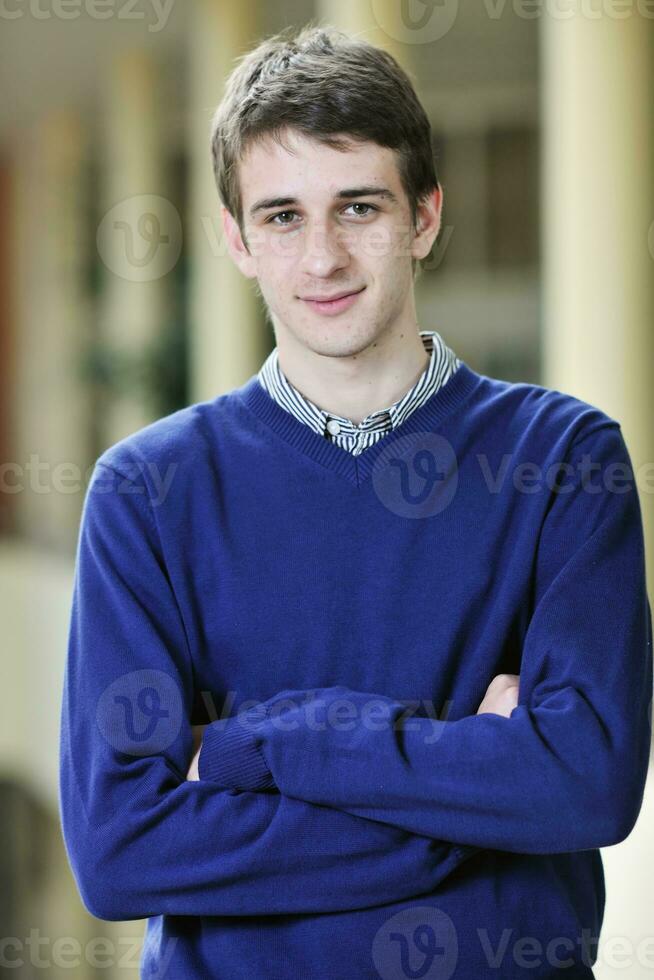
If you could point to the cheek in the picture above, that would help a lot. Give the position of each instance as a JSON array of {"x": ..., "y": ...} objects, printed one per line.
[
  {"x": 278, "y": 269},
  {"x": 282, "y": 253},
  {"x": 277, "y": 284},
  {"x": 376, "y": 245},
  {"x": 272, "y": 269}
]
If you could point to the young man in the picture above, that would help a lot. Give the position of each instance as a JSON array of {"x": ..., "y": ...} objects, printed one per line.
[{"x": 367, "y": 544}]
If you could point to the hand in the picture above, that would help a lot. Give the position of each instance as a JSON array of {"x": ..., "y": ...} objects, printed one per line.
[
  {"x": 193, "y": 773},
  {"x": 501, "y": 696}
]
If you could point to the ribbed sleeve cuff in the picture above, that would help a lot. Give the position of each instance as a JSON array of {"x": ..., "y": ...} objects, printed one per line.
[{"x": 230, "y": 753}]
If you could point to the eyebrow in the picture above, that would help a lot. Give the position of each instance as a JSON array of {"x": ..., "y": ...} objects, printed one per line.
[{"x": 343, "y": 195}]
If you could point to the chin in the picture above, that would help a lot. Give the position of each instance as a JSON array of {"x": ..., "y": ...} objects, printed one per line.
[{"x": 342, "y": 349}]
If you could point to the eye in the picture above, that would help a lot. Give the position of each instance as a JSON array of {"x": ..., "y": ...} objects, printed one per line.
[
  {"x": 360, "y": 204},
  {"x": 272, "y": 220},
  {"x": 355, "y": 204}
]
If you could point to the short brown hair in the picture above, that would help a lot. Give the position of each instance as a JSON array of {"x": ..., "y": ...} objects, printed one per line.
[{"x": 321, "y": 82}]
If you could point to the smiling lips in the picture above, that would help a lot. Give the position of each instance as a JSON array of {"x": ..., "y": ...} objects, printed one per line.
[{"x": 335, "y": 304}]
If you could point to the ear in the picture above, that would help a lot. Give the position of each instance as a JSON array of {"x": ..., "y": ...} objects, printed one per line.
[
  {"x": 236, "y": 246},
  {"x": 428, "y": 222}
]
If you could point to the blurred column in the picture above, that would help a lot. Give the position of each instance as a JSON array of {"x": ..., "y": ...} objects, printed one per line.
[
  {"x": 7, "y": 330},
  {"x": 51, "y": 435},
  {"x": 138, "y": 237},
  {"x": 598, "y": 214},
  {"x": 228, "y": 341},
  {"x": 598, "y": 343},
  {"x": 377, "y": 21}
]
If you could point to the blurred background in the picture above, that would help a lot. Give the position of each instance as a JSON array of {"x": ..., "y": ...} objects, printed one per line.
[{"x": 119, "y": 304}]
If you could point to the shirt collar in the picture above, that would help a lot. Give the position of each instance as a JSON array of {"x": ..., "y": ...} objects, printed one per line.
[{"x": 442, "y": 363}]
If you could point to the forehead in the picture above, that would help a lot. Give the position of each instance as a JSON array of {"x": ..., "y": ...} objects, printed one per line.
[{"x": 306, "y": 165}]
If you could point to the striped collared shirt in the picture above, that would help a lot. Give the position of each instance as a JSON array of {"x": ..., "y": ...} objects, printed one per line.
[{"x": 355, "y": 438}]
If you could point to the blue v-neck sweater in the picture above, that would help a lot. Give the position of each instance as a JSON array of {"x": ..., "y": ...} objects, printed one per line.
[{"x": 362, "y": 820}]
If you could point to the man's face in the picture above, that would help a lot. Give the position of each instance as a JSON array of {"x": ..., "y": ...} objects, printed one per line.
[{"x": 313, "y": 232}]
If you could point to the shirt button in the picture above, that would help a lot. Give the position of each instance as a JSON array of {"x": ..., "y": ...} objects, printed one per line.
[{"x": 333, "y": 427}]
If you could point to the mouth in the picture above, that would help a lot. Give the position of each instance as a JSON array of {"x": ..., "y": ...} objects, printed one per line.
[{"x": 336, "y": 304}]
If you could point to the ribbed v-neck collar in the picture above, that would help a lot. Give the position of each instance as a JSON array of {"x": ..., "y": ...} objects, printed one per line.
[{"x": 356, "y": 469}]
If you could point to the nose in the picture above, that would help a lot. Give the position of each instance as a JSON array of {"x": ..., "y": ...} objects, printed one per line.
[{"x": 325, "y": 249}]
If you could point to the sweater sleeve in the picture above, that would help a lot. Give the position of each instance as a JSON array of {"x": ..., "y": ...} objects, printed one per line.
[
  {"x": 142, "y": 840},
  {"x": 566, "y": 771}
]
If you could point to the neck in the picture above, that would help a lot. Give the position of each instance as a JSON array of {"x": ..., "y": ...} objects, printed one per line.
[{"x": 353, "y": 386}]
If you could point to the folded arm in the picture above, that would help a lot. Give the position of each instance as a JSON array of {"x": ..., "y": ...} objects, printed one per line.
[
  {"x": 143, "y": 840},
  {"x": 566, "y": 770}
]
